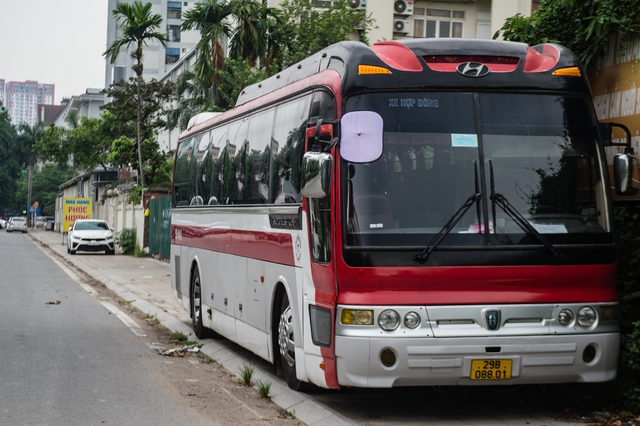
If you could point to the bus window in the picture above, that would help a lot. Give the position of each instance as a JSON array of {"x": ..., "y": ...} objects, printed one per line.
[
  {"x": 219, "y": 151},
  {"x": 181, "y": 175},
  {"x": 287, "y": 145},
  {"x": 237, "y": 177},
  {"x": 258, "y": 151}
]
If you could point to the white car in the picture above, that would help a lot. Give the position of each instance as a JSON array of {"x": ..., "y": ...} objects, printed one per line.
[
  {"x": 17, "y": 223},
  {"x": 90, "y": 235}
]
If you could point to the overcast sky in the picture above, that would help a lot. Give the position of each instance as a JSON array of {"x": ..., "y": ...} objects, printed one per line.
[{"x": 54, "y": 41}]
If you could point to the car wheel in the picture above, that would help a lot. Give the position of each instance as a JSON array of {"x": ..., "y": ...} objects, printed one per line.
[
  {"x": 286, "y": 343},
  {"x": 72, "y": 252}
]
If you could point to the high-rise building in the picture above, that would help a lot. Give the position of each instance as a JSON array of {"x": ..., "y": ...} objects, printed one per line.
[
  {"x": 21, "y": 98},
  {"x": 157, "y": 59}
]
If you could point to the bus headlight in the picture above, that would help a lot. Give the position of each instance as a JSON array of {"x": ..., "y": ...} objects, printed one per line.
[
  {"x": 565, "y": 317},
  {"x": 587, "y": 316},
  {"x": 412, "y": 320},
  {"x": 388, "y": 320}
]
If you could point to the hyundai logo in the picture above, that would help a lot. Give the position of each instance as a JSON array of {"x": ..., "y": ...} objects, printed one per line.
[
  {"x": 473, "y": 69},
  {"x": 493, "y": 319}
]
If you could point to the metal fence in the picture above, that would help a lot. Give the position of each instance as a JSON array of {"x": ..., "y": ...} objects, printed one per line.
[{"x": 160, "y": 226}]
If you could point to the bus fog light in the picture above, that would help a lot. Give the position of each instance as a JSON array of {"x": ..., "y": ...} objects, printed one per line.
[
  {"x": 565, "y": 317},
  {"x": 610, "y": 313},
  {"x": 388, "y": 320},
  {"x": 356, "y": 317},
  {"x": 412, "y": 320},
  {"x": 388, "y": 358},
  {"x": 587, "y": 316},
  {"x": 589, "y": 354}
]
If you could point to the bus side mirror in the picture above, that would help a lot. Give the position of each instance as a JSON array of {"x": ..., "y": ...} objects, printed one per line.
[
  {"x": 316, "y": 174},
  {"x": 361, "y": 136},
  {"x": 623, "y": 174}
]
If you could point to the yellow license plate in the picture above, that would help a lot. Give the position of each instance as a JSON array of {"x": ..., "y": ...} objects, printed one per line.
[{"x": 491, "y": 369}]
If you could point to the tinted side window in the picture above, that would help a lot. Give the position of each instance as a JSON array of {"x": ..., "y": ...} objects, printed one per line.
[
  {"x": 237, "y": 176},
  {"x": 287, "y": 147},
  {"x": 258, "y": 156}
]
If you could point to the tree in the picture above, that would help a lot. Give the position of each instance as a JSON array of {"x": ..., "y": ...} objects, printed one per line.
[
  {"x": 151, "y": 103},
  {"x": 209, "y": 17},
  {"x": 583, "y": 26},
  {"x": 192, "y": 97},
  {"x": 45, "y": 187},
  {"x": 332, "y": 25},
  {"x": 9, "y": 164},
  {"x": 139, "y": 27},
  {"x": 28, "y": 137},
  {"x": 250, "y": 40}
]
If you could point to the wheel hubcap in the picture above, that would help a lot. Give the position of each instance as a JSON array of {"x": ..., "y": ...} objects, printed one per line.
[
  {"x": 196, "y": 301},
  {"x": 285, "y": 337}
]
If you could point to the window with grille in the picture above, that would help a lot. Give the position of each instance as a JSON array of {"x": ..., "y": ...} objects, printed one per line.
[{"x": 438, "y": 23}]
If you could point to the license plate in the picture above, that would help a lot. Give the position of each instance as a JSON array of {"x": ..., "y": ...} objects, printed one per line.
[
  {"x": 93, "y": 243},
  {"x": 491, "y": 369}
]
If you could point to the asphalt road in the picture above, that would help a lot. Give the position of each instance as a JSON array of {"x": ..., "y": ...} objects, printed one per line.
[{"x": 64, "y": 360}]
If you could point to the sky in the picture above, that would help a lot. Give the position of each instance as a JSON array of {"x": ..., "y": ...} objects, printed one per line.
[{"x": 54, "y": 41}]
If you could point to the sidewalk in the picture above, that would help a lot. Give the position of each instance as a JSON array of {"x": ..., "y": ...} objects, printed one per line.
[{"x": 147, "y": 282}]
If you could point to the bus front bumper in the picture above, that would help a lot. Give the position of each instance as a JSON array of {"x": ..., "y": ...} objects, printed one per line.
[{"x": 448, "y": 361}]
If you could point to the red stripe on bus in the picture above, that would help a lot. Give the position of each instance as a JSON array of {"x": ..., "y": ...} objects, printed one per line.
[{"x": 267, "y": 246}]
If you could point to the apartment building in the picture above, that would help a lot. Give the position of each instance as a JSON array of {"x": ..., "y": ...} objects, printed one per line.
[
  {"x": 21, "y": 98},
  {"x": 157, "y": 59}
]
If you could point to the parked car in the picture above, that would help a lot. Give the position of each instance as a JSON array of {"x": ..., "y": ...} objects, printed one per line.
[
  {"x": 90, "y": 235},
  {"x": 3, "y": 223},
  {"x": 43, "y": 221},
  {"x": 17, "y": 223}
]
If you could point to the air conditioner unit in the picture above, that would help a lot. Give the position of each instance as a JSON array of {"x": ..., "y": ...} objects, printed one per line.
[
  {"x": 402, "y": 27},
  {"x": 403, "y": 7},
  {"x": 358, "y": 4}
]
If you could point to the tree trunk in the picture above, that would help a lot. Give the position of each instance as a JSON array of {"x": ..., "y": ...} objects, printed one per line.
[{"x": 142, "y": 183}]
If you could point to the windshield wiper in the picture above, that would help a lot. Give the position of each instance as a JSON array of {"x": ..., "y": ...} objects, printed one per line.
[
  {"x": 437, "y": 239},
  {"x": 503, "y": 203}
]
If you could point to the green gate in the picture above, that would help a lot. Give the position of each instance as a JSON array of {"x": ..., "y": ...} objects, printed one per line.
[{"x": 160, "y": 226}]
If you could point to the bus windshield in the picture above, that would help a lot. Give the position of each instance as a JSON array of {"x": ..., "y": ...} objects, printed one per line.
[{"x": 529, "y": 158}]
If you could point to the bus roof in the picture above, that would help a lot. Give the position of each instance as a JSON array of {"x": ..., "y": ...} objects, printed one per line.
[{"x": 437, "y": 64}]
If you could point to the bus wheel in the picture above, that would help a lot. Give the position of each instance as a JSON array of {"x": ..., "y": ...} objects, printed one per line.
[
  {"x": 286, "y": 344},
  {"x": 196, "y": 305}
]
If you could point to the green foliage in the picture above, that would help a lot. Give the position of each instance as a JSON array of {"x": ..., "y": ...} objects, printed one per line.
[
  {"x": 162, "y": 176},
  {"x": 309, "y": 29},
  {"x": 122, "y": 119},
  {"x": 246, "y": 374},
  {"x": 628, "y": 382},
  {"x": 179, "y": 336},
  {"x": 137, "y": 26},
  {"x": 264, "y": 388},
  {"x": 236, "y": 76},
  {"x": 127, "y": 240},
  {"x": 581, "y": 25},
  {"x": 9, "y": 161},
  {"x": 44, "y": 187}
]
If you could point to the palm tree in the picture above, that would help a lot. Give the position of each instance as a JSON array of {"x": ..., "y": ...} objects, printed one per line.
[
  {"x": 138, "y": 26},
  {"x": 251, "y": 37},
  {"x": 209, "y": 17}
]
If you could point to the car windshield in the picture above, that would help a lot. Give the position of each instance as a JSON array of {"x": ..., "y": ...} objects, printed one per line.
[
  {"x": 18, "y": 219},
  {"x": 91, "y": 226},
  {"x": 537, "y": 153}
]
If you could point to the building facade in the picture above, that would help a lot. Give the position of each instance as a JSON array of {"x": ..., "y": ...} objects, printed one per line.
[
  {"x": 157, "y": 59},
  {"x": 21, "y": 98}
]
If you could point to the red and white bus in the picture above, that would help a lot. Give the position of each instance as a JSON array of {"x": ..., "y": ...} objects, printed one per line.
[{"x": 428, "y": 212}]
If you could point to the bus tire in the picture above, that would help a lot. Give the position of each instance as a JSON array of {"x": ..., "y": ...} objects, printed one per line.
[
  {"x": 286, "y": 345},
  {"x": 196, "y": 305}
]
